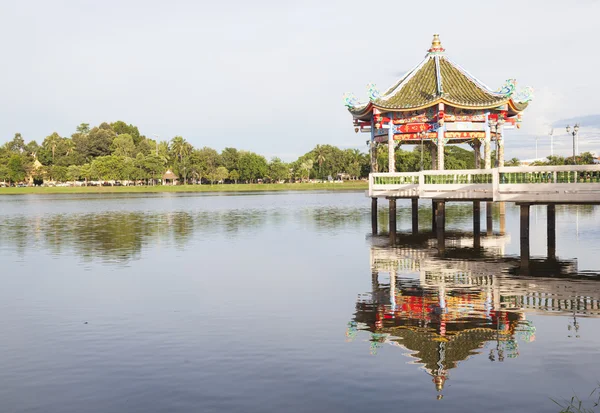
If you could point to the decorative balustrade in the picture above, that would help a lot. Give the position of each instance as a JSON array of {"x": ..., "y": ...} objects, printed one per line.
[
  {"x": 564, "y": 183},
  {"x": 457, "y": 184}
]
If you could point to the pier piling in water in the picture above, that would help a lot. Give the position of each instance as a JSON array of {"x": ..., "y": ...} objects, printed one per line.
[
  {"x": 415, "y": 216},
  {"x": 440, "y": 220},
  {"x": 525, "y": 238},
  {"x": 551, "y": 216},
  {"x": 489, "y": 223},
  {"x": 374, "y": 216},
  {"x": 392, "y": 220},
  {"x": 476, "y": 224}
]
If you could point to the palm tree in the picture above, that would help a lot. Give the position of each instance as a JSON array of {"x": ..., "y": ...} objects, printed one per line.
[
  {"x": 513, "y": 162},
  {"x": 182, "y": 150},
  {"x": 69, "y": 145},
  {"x": 320, "y": 157},
  {"x": 306, "y": 166},
  {"x": 180, "y": 147},
  {"x": 51, "y": 142}
]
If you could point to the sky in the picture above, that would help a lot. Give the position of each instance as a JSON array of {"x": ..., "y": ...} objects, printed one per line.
[{"x": 268, "y": 76}]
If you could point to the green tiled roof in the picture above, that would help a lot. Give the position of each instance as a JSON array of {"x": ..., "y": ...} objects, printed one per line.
[
  {"x": 435, "y": 80},
  {"x": 424, "y": 87}
]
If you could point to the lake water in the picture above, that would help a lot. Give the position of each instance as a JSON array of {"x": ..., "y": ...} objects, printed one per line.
[{"x": 284, "y": 302}]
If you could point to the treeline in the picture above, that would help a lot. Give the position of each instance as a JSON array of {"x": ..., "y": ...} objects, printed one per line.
[
  {"x": 585, "y": 158},
  {"x": 118, "y": 151}
]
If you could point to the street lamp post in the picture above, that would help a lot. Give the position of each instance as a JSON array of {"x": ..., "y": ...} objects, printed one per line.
[
  {"x": 575, "y": 134},
  {"x": 551, "y": 142}
]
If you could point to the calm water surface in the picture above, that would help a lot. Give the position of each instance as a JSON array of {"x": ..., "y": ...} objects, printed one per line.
[{"x": 284, "y": 302}]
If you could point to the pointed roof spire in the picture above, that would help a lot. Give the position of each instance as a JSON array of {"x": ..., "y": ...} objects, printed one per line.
[{"x": 436, "y": 45}]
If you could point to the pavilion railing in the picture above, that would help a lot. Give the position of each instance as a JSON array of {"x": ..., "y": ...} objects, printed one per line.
[
  {"x": 568, "y": 183},
  {"x": 560, "y": 183},
  {"x": 394, "y": 184},
  {"x": 559, "y": 174},
  {"x": 457, "y": 184}
]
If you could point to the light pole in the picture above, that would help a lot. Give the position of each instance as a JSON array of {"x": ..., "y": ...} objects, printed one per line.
[
  {"x": 551, "y": 142},
  {"x": 575, "y": 138}
]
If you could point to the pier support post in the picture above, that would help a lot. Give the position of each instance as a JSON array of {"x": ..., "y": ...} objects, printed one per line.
[
  {"x": 433, "y": 215},
  {"x": 374, "y": 280},
  {"x": 487, "y": 149},
  {"x": 551, "y": 215},
  {"x": 502, "y": 207},
  {"x": 476, "y": 224},
  {"x": 489, "y": 222},
  {"x": 440, "y": 220},
  {"x": 374, "y": 215},
  {"x": 415, "y": 216},
  {"x": 392, "y": 220},
  {"x": 525, "y": 238}
]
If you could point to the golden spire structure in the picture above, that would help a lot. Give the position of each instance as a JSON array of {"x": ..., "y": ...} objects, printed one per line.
[{"x": 436, "y": 44}]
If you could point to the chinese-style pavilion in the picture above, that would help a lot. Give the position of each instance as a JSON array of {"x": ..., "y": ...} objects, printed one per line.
[{"x": 439, "y": 103}]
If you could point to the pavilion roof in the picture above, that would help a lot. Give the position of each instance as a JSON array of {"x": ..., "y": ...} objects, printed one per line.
[
  {"x": 169, "y": 175},
  {"x": 438, "y": 79}
]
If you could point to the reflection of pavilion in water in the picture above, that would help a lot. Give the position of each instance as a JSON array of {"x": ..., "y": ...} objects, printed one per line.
[{"x": 445, "y": 310}]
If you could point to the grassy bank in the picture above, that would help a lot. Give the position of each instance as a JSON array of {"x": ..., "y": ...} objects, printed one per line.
[{"x": 353, "y": 185}]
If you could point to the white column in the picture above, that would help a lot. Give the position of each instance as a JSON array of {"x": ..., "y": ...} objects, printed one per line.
[
  {"x": 487, "y": 147},
  {"x": 391, "y": 152},
  {"x": 440, "y": 139},
  {"x": 500, "y": 140}
]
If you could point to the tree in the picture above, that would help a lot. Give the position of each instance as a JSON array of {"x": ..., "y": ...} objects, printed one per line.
[
  {"x": 123, "y": 145},
  {"x": 230, "y": 158},
  {"x": 221, "y": 173},
  {"x": 585, "y": 158},
  {"x": 153, "y": 166},
  {"x": 278, "y": 170},
  {"x": 320, "y": 157},
  {"x": 17, "y": 145},
  {"x": 86, "y": 172},
  {"x": 99, "y": 141},
  {"x": 73, "y": 172},
  {"x": 513, "y": 162},
  {"x": 121, "y": 128},
  {"x": 108, "y": 167},
  {"x": 181, "y": 151},
  {"x": 306, "y": 167},
  {"x": 59, "y": 173},
  {"x": 32, "y": 148},
  {"x": 83, "y": 128},
  {"x": 51, "y": 142},
  {"x": 234, "y": 176},
  {"x": 252, "y": 166},
  {"x": 16, "y": 168}
]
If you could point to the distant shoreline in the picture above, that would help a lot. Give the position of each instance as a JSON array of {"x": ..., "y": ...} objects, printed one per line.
[{"x": 348, "y": 185}]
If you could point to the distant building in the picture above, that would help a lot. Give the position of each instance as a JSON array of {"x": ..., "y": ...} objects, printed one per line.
[{"x": 169, "y": 178}]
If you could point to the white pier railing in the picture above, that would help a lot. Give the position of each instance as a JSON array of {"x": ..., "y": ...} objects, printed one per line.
[{"x": 565, "y": 183}]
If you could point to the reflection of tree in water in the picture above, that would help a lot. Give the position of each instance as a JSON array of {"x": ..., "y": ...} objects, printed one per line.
[
  {"x": 336, "y": 217},
  {"x": 119, "y": 236}
]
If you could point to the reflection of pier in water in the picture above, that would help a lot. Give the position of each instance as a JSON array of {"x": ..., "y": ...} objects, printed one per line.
[{"x": 445, "y": 308}]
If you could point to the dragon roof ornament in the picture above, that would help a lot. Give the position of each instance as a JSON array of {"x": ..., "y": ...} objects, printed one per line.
[
  {"x": 524, "y": 95},
  {"x": 508, "y": 88}
]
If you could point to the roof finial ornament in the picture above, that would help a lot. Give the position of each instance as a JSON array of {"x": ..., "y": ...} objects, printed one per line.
[{"x": 436, "y": 45}]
